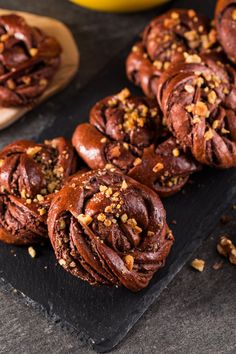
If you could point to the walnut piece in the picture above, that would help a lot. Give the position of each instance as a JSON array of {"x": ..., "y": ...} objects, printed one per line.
[
  {"x": 226, "y": 248},
  {"x": 198, "y": 264}
]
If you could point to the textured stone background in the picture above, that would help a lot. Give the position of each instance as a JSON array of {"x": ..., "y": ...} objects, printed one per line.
[{"x": 196, "y": 313}]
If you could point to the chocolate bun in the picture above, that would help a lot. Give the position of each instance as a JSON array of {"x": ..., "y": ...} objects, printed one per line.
[
  {"x": 30, "y": 174},
  {"x": 125, "y": 132},
  {"x": 198, "y": 99},
  {"x": 164, "y": 41},
  {"x": 142, "y": 71},
  {"x": 225, "y": 21},
  {"x": 28, "y": 61},
  {"x": 108, "y": 229}
]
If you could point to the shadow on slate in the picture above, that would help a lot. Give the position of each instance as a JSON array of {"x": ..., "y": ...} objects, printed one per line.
[{"x": 106, "y": 314}]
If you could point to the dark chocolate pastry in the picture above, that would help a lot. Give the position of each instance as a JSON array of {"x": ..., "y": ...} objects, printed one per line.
[
  {"x": 125, "y": 132},
  {"x": 28, "y": 61},
  {"x": 164, "y": 41},
  {"x": 225, "y": 21},
  {"x": 108, "y": 229},
  {"x": 30, "y": 174},
  {"x": 142, "y": 71},
  {"x": 198, "y": 98}
]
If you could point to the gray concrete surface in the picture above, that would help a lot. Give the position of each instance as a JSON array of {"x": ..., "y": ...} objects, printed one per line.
[{"x": 196, "y": 313}]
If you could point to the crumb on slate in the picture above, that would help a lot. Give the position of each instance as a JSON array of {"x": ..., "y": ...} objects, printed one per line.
[
  {"x": 198, "y": 264},
  {"x": 32, "y": 252}
]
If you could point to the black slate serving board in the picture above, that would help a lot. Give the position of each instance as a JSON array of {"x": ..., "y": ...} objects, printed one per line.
[{"x": 105, "y": 315}]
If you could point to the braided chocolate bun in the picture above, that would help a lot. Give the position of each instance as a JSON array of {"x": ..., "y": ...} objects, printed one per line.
[
  {"x": 142, "y": 71},
  {"x": 28, "y": 61},
  {"x": 30, "y": 174},
  {"x": 108, "y": 229},
  {"x": 164, "y": 41},
  {"x": 225, "y": 21},
  {"x": 198, "y": 98},
  {"x": 125, "y": 132}
]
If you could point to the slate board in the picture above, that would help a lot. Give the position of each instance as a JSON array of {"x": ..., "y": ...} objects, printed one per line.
[{"x": 105, "y": 315}]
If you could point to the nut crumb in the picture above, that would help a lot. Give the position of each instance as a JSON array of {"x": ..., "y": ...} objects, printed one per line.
[
  {"x": 32, "y": 252},
  {"x": 226, "y": 248},
  {"x": 198, "y": 264}
]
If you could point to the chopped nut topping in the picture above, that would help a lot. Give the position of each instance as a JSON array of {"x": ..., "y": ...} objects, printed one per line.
[
  {"x": 135, "y": 49},
  {"x": 126, "y": 146},
  {"x": 194, "y": 58},
  {"x": 129, "y": 261},
  {"x": 158, "y": 64},
  {"x": 124, "y": 218},
  {"x": 137, "y": 161},
  {"x": 110, "y": 167},
  {"x": 103, "y": 140},
  {"x": 52, "y": 186},
  {"x": 32, "y": 151},
  {"x": 108, "y": 192},
  {"x": 26, "y": 80},
  {"x": 191, "y": 13},
  {"x": 40, "y": 197},
  {"x": 23, "y": 193},
  {"x": 102, "y": 188},
  {"x": 191, "y": 35},
  {"x": 201, "y": 109},
  {"x": 108, "y": 209},
  {"x": 28, "y": 201},
  {"x": 189, "y": 88},
  {"x": 62, "y": 224},
  {"x": 124, "y": 185},
  {"x": 101, "y": 217},
  {"x": 226, "y": 248},
  {"x": 84, "y": 219},
  {"x": 42, "y": 211},
  {"x": 138, "y": 229},
  {"x": 122, "y": 95},
  {"x": 150, "y": 233},
  {"x": 208, "y": 135},
  {"x": 32, "y": 252},
  {"x": 174, "y": 15},
  {"x": 107, "y": 222},
  {"x": 158, "y": 167},
  {"x": 4, "y": 37},
  {"x": 198, "y": 264},
  {"x": 166, "y": 65},
  {"x": 215, "y": 124},
  {"x": 43, "y": 82},
  {"x": 175, "y": 152},
  {"x": 212, "y": 97},
  {"x": 196, "y": 120},
  {"x": 33, "y": 52},
  {"x": 11, "y": 84},
  {"x": 225, "y": 131},
  {"x": 62, "y": 262}
]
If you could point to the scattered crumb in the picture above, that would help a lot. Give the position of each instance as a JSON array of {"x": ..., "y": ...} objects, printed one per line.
[
  {"x": 174, "y": 222},
  {"x": 218, "y": 265},
  {"x": 32, "y": 252},
  {"x": 234, "y": 206},
  {"x": 198, "y": 264},
  {"x": 227, "y": 249}
]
